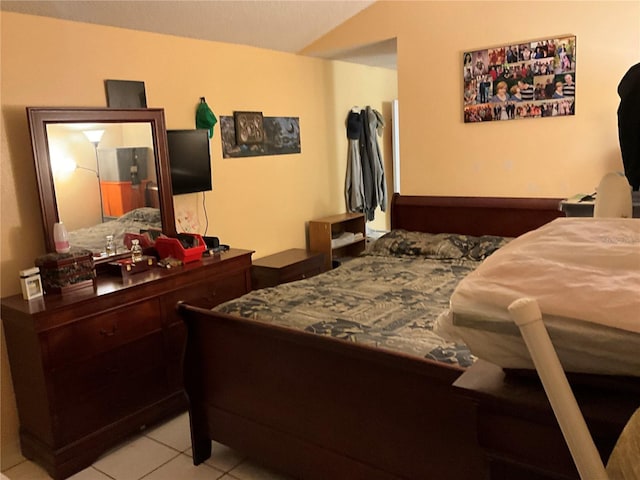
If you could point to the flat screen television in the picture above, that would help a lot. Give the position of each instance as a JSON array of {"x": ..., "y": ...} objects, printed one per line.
[{"x": 190, "y": 160}]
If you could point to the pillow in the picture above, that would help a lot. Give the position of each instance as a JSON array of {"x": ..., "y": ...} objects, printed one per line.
[
  {"x": 486, "y": 245},
  {"x": 419, "y": 244},
  {"x": 147, "y": 215}
]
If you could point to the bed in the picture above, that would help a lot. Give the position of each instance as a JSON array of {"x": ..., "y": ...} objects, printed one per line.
[
  {"x": 584, "y": 273},
  {"x": 94, "y": 238},
  {"x": 354, "y": 402}
]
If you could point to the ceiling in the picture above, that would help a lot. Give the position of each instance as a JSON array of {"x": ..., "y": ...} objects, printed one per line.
[{"x": 283, "y": 25}]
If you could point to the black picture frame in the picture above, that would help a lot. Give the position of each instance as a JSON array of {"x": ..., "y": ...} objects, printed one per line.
[
  {"x": 249, "y": 127},
  {"x": 125, "y": 94}
]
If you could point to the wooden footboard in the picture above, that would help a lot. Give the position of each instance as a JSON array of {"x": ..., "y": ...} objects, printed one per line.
[{"x": 321, "y": 408}]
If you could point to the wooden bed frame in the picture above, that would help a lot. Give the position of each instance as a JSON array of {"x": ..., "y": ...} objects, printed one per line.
[{"x": 321, "y": 408}]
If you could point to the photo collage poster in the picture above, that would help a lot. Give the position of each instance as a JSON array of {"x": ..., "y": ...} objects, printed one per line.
[{"x": 523, "y": 80}]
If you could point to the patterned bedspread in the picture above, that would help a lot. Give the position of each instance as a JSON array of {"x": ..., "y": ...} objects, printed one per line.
[
  {"x": 93, "y": 238},
  {"x": 387, "y": 298}
]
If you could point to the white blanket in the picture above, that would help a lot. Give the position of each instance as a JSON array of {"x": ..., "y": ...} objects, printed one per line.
[
  {"x": 584, "y": 269},
  {"x": 585, "y": 274}
]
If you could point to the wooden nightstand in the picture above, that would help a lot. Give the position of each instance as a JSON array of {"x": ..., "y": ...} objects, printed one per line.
[
  {"x": 287, "y": 266},
  {"x": 325, "y": 233}
]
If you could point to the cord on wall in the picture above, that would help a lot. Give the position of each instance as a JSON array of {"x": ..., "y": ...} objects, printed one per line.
[{"x": 206, "y": 217}]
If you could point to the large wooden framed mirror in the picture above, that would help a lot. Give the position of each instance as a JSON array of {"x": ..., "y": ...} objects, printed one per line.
[{"x": 102, "y": 171}]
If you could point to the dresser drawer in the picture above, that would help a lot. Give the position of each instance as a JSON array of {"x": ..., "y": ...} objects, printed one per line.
[
  {"x": 299, "y": 272},
  {"x": 205, "y": 295},
  {"x": 77, "y": 383},
  {"x": 90, "y": 336},
  {"x": 125, "y": 397}
]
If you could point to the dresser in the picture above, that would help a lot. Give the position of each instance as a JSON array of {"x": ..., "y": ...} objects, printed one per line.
[
  {"x": 97, "y": 365},
  {"x": 583, "y": 205}
]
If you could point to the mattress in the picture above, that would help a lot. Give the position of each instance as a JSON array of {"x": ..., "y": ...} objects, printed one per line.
[
  {"x": 585, "y": 275},
  {"x": 388, "y": 298},
  {"x": 94, "y": 238}
]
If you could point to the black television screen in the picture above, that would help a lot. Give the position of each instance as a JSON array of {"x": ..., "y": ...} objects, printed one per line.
[{"x": 190, "y": 160}]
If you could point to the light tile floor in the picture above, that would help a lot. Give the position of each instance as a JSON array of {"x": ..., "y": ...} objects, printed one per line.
[{"x": 160, "y": 453}]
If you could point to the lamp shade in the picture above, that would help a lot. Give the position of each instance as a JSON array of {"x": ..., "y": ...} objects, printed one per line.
[{"x": 94, "y": 136}]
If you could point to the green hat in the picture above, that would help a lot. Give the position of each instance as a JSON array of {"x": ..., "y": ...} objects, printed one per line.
[{"x": 205, "y": 117}]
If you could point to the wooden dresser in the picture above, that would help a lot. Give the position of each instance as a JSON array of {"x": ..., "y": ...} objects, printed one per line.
[{"x": 92, "y": 367}]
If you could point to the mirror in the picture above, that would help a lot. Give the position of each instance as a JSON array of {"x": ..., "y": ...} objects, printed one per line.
[{"x": 102, "y": 172}]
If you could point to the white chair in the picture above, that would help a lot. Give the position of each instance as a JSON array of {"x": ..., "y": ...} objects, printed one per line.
[
  {"x": 613, "y": 197},
  {"x": 624, "y": 462}
]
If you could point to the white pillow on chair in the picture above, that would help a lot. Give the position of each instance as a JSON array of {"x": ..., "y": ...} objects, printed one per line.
[{"x": 613, "y": 198}]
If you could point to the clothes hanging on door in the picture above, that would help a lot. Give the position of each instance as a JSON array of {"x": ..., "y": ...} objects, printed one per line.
[
  {"x": 365, "y": 186},
  {"x": 354, "y": 188}
]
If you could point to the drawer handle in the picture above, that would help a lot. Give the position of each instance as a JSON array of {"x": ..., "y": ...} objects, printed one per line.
[{"x": 107, "y": 333}]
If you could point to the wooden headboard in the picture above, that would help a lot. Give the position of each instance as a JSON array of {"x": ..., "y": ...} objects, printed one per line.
[{"x": 503, "y": 216}]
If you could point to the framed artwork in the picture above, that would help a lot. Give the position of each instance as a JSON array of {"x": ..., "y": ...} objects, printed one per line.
[
  {"x": 281, "y": 137},
  {"x": 249, "y": 127},
  {"x": 125, "y": 94},
  {"x": 520, "y": 80}
]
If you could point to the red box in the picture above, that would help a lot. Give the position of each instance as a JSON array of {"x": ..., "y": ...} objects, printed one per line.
[{"x": 171, "y": 247}]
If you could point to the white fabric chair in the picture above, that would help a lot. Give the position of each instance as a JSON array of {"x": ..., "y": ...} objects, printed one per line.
[
  {"x": 624, "y": 462},
  {"x": 613, "y": 197}
]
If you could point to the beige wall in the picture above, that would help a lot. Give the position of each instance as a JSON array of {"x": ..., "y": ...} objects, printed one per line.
[
  {"x": 258, "y": 203},
  {"x": 557, "y": 156}
]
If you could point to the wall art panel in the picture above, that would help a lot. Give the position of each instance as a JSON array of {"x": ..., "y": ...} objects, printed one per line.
[
  {"x": 281, "y": 136},
  {"x": 521, "y": 80}
]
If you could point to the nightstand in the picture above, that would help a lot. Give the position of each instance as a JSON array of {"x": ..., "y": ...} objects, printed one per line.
[
  {"x": 287, "y": 266},
  {"x": 576, "y": 207},
  {"x": 338, "y": 236}
]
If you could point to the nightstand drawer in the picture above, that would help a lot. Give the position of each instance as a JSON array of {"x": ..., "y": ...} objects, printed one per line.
[
  {"x": 287, "y": 266},
  {"x": 91, "y": 336}
]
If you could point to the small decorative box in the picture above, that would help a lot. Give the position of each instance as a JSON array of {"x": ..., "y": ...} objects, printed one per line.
[
  {"x": 66, "y": 272},
  {"x": 127, "y": 267}
]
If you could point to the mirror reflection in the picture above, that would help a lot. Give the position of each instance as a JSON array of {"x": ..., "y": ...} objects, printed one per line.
[{"x": 105, "y": 181}]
